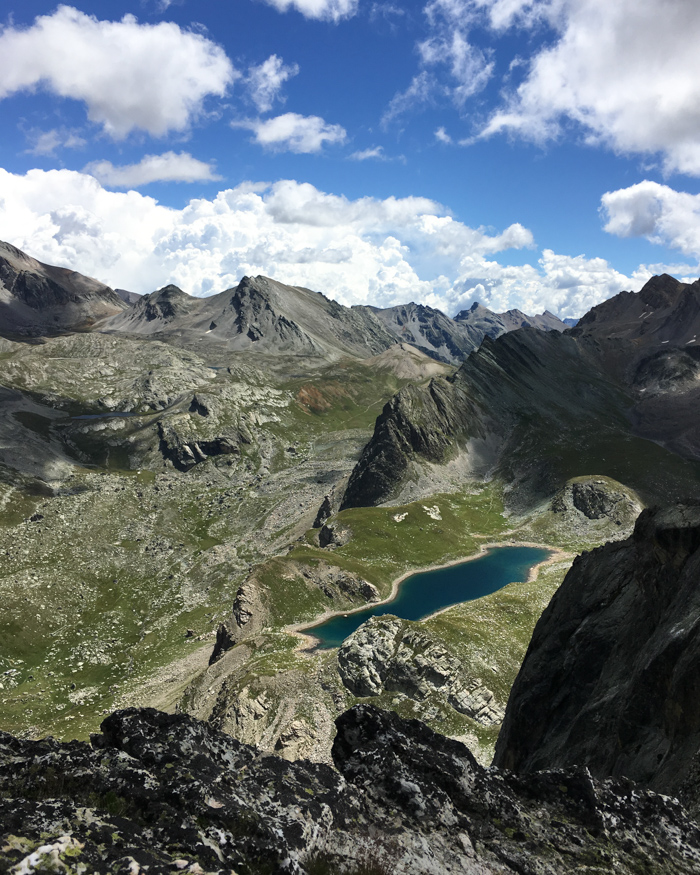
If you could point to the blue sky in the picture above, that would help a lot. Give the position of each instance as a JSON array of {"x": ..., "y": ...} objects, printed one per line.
[{"x": 525, "y": 153}]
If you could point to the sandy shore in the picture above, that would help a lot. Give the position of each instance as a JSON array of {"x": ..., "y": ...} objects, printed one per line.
[{"x": 308, "y": 642}]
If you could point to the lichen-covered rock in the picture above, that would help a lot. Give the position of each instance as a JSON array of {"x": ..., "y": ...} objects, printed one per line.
[
  {"x": 185, "y": 454},
  {"x": 158, "y": 793},
  {"x": 388, "y": 654}
]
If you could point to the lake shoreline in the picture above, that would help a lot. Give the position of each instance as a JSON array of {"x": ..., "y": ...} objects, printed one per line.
[{"x": 308, "y": 643}]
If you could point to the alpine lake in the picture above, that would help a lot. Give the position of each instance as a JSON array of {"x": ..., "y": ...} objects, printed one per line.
[{"x": 426, "y": 592}]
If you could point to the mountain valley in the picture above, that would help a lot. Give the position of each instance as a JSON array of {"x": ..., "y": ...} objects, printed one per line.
[{"x": 188, "y": 483}]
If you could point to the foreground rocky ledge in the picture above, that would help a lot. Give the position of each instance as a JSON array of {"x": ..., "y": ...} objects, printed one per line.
[{"x": 163, "y": 793}]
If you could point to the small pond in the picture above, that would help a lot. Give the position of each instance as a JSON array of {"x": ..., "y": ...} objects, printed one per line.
[{"x": 426, "y": 592}]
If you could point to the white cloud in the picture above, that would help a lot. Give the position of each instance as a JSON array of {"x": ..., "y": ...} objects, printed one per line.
[
  {"x": 469, "y": 66},
  {"x": 324, "y": 10},
  {"x": 374, "y": 152},
  {"x": 168, "y": 167},
  {"x": 46, "y": 142},
  {"x": 442, "y": 136},
  {"x": 447, "y": 45},
  {"x": 153, "y": 77},
  {"x": 627, "y": 71},
  {"x": 265, "y": 81},
  {"x": 422, "y": 90},
  {"x": 364, "y": 250},
  {"x": 656, "y": 212},
  {"x": 292, "y": 132},
  {"x": 565, "y": 285},
  {"x": 371, "y": 251}
]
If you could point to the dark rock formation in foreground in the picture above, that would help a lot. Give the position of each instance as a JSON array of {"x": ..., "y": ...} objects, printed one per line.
[
  {"x": 163, "y": 793},
  {"x": 611, "y": 679}
]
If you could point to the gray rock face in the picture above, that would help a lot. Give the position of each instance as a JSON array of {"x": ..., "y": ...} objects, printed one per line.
[
  {"x": 247, "y": 618},
  {"x": 335, "y": 582},
  {"x": 333, "y": 535},
  {"x": 186, "y": 454},
  {"x": 163, "y": 793},
  {"x": 425, "y": 422},
  {"x": 610, "y": 678},
  {"x": 38, "y": 298},
  {"x": 386, "y": 653}
]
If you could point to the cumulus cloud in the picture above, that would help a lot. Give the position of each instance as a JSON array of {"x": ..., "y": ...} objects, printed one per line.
[
  {"x": 169, "y": 167},
  {"x": 656, "y": 212},
  {"x": 292, "y": 132},
  {"x": 626, "y": 71},
  {"x": 565, "y": 285},
  {"x": 367, "y": 250},
  {"x": 265, "y": 81},
  {"x": 323, "y": 10},
  {"x": 152, "y": 77}
]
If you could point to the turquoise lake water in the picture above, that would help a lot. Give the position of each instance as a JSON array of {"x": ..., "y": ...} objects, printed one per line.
[{"x": 425, "y": 593}]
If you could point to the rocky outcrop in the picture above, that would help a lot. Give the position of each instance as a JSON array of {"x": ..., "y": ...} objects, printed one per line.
[
  {"x": 247, "y": 618},
  {"x": 388, "y": 654},
  {"x": 186, "y": 454},
  {"x": 333, "y": 535},
  {"x": 420, "y": 422},
  {"x": 591, "y": 505},
  {"x": 610, "y": 679},
  {"x": 160, "y": 793},
  {"x": 38, "y": 298},
  {"x": 338, "y": 583}
]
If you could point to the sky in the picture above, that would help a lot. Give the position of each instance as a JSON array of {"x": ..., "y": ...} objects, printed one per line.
[{"x": 538, "y": 154}]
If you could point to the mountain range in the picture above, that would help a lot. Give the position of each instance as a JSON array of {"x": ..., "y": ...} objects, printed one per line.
[
  {"x": 39, "y": 299},
  {"x": 186, "y": 484}
]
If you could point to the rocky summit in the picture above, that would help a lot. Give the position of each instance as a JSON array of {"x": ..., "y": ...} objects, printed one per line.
[{"x": 157, "y": 793}]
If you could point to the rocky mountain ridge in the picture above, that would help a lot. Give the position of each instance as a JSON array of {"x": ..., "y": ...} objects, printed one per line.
[
  {"x": 451, "y": 340},
  {"x": 38, "y": 298},
  {"x": 528, "y": 388}
]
